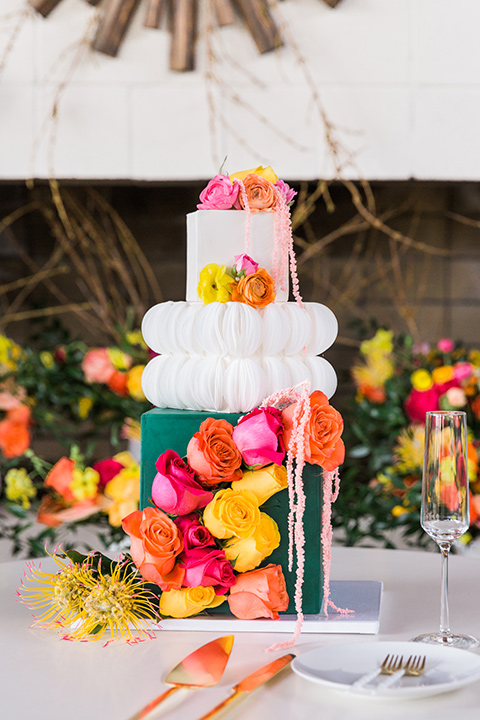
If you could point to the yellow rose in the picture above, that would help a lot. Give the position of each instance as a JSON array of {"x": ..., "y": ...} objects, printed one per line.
[
  {"x": 442, "y": 374},
  {"x": 215, "y": 285},
  {"x": 421, "y": 380},
  {"x": 232, "y": 513},
  {"x": 266, "y": 173},
  {"x": 124, "y": 492},
  {"x": 249, "y": 553},
  {"x": 134, "y": 382},
  {"x": 263, "y": 482},
  {"x": 188, "y": 601}
]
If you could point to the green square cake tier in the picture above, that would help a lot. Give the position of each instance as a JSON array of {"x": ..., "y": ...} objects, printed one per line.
[{"x": 164, "y": 429}]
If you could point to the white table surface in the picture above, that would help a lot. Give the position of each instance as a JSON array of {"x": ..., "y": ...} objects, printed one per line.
[{"x": 45, "y": 678}]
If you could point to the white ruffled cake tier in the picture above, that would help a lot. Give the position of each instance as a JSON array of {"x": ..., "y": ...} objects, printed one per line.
[{"x": 229, "y": 357}]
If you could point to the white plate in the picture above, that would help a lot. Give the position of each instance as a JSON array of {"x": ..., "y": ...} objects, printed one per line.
[{"x": 339, "y": 666}]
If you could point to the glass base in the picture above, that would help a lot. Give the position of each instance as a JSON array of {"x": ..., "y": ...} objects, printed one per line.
[{"x": 447, "y": 640}]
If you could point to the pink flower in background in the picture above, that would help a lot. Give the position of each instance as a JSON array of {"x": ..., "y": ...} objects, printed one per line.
[
  {"x": 220, "y": 194},
  {"x": 456, "y": 397},
  {"x": 175, "y": 489},
  {"x": 286, "y": 190},
  {"x": 421, "y": 348},
  {"x": 97, "y": 366},
  {"x": 462, "y": 371},
  {"x": 245, "y": 262},
  {"x": 205, "y": 566},
  {"x": 259, "y": 437},
  {"x": 107, "y": 469},
  {"x": 419, "y": 402},
  {"x": 195, "y": 535},
  {"x": 446, "y": 345}
]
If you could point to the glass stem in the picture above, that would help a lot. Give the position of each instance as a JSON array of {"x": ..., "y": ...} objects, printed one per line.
[{"x": 444, "y": 612}]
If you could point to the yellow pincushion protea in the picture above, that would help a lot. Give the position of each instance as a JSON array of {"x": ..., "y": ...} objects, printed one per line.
[
  {"x": 84, "y": 602},
  {"x": 382, "y": 342},
  {"x": 409, "y": 449},
  {"x": 215, "y": 285}
]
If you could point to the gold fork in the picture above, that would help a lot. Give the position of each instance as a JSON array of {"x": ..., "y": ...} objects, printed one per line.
[
  {"x": 414, "y": 667},
  {"x": 390, "y": 665}
]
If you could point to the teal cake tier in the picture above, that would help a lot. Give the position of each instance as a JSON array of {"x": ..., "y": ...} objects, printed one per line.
[{"x": 164, "y": 429}]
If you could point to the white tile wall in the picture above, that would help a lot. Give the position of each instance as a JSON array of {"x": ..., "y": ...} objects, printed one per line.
[{"x": 399, "y": 79}]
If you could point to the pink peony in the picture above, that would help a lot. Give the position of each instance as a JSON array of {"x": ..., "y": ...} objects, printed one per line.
[
  {"x": 244, "y": 262},
  {"x": 286, "y": 190},
  {"x": 107, "y": 469},
  {"x": 195, "y": 535},
  {"x": 445, "y": 345},
  {"x": 207, "y": 567},
  {"x": 97, "y": 366},
  {"x": 420, "y": 402},
  {"x": 175, "y": 489},
  {"x": 259, "y": 437},
  {"x": 220, "y": 194}
]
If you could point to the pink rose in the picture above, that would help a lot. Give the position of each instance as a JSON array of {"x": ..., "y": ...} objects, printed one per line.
[
  {"x": 195, "y": 535},
  {"x": 462, "y": 371},
  {"x": 445, "y": 345},
  {"x": 419, "y": 402},
  {"x": 220, "y": 194},
  {"x": 97, "y": 366},
  {"x": 286, "y": 190},
  {"x": 259, "y": 437},
  {"x": 107, "y": 469},
  {"x": 205, "y": 566},
  {"x": 175, "y": 489},
  {"x": 245, "y": 263}
]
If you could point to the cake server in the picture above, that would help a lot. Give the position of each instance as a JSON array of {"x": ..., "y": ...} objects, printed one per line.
[
  {"x": 251, "y": 682},
  {"x": 202, "y": 668}
]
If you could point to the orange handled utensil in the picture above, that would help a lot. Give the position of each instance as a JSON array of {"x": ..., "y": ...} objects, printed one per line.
[{"x": 202, "y": 668}]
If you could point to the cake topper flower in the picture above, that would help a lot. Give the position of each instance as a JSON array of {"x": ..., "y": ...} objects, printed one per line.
[
  {"x": 215, "y": 284},
  {"x": 246, "y": 282}
]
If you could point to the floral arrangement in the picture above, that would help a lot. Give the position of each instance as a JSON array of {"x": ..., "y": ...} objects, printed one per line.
[
  {"x": 255, "y": 190},
  {"x": 207, "y": 536},
  {"x": 68, "y": 392},
  {"x": 245, "y": 282},
  {"x": 397, "y": 382}
]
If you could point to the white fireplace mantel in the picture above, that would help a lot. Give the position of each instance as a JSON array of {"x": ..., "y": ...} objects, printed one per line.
[{"x": 399, "y": 80}]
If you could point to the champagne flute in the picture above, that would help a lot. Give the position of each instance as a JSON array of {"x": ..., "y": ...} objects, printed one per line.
[{"x": 445, "y": 514}]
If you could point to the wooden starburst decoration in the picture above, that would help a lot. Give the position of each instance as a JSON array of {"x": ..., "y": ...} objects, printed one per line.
[{"x": 181, "y": 17}]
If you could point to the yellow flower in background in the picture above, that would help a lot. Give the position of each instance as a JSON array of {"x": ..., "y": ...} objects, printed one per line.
[
  {"x": 442, "y": 374},
  {"x": 248, "y": 553},
  {"x": 264, "y": 482},
  {"x": 19, "y": 487},
  {"x": 474, "y": 357},
  {"x": 84, "y": 406},
  {"x": 189, "y": 601},
  {"x": 126, "y": 459},
  {"x": 398, "y": 510},
  {"x": 134, "y": 382},
  {"x": 409, "y": 449},
  {"x": 135, "y": 337},
  {"x": 215, "y": 285},
  {"x": 47, "y": 360},
  {"x": 382, "y": 342},
  {"x": 123, "y": 490},
  {"x": 120, "y": 360},
  {"x": 131, "y": 429},
  {"x": 267, "y": 173},
  {"x": 84, "y": 485},
  {"x": 9, "y": 353},
  {"x": 421, "y": 380}
]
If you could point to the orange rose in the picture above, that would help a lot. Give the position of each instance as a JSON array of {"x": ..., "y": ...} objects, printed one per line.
[
  {"x": 323, "y": 443},
  {"x": 260, "y": 194},
  {"x": 14, "y": 438},
  {"x": 256, "y": 290},
  {"x": 212, "y": 453},
  {"x": 155, "y": 543},
  {"x": 259, "y": 593}
]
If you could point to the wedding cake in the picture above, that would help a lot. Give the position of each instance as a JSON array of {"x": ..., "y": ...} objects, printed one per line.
[{"x": 214, "y": 480}]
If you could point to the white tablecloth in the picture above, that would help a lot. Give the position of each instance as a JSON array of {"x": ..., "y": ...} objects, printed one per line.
[{"x": 45, "y": 678}]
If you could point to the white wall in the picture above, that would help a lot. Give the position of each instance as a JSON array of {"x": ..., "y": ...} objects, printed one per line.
[{"x": 399, "y": 78}]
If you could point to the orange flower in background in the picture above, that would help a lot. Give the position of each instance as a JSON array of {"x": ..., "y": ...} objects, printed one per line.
[
  {"x": 259, "y": 593},
  {"x": 260, "y": 194},
  {"x": 60, "y": 478},
  {"x": 375, "y": 394},
  {"x": 118, "y": 382},
  {"x": 256, "y": 290},
  {"x": 53, "y": 512},
  {"x": 323, "y": 443},
  {"x": 15, "y": 436},
  {"x": 155, "y": 543},
  {"x": 213, "y": 454}
]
